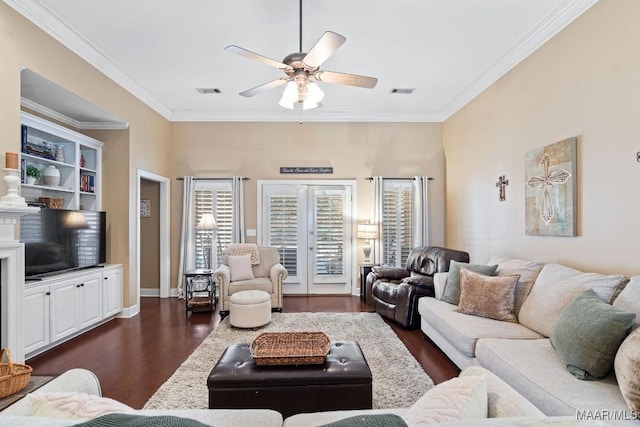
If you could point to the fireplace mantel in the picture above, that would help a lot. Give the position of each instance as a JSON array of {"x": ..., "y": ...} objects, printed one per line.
[{"x": 12, "y": 280}]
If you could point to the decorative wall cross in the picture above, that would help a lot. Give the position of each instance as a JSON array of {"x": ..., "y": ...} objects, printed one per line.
[
  {"x": 546, "y": 181},
  {"x": 502, "y": 183}
]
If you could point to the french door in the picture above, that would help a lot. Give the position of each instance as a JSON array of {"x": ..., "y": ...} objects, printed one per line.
[{"x": 311, "y": 226}]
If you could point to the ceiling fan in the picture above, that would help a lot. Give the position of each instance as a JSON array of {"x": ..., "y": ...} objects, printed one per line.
[{"x": 302, "y": 69}]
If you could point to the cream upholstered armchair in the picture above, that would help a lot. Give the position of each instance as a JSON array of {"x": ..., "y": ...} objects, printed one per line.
[{"x": 268, "y": 275}]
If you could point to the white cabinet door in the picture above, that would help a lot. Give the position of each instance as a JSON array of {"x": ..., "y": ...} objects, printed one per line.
[
  {"x": 90, "y": 307},
  {"x": 36, "y": 318},
  {"x": 64, "y": 309},
  {"x": 112, "y": 292}
]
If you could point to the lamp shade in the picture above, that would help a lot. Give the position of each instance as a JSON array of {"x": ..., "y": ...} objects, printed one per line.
[
  {"x": 207, "y": 222},
  {"x": 75, "y": 220},
  {"x": 367, "y": 231}
]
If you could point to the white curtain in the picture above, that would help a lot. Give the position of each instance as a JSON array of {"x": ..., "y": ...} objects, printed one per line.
[
  {"x": 237, "y": 226},
  {"x": 421, "y": 211},
  {"x": 377, "y": 198},
  {"x": 187, "y": 244}
]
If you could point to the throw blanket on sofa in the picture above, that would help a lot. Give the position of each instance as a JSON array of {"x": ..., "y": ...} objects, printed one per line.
[
  {"x": 125, "y": 420},
  {"x": 239, "y": 249}
]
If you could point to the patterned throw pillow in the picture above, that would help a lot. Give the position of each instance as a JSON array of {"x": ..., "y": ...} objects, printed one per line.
[
  {"x": 460, "y": 398},
  {"x": 238, "y": 249},
  {"x": 488, "y": 296}
]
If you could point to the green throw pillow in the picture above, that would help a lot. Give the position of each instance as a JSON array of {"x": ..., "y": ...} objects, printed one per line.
[
  {"x": 588, "y": 334},
  {"x": 452, "y": 289},
  {"x": 369, "y": 420}
]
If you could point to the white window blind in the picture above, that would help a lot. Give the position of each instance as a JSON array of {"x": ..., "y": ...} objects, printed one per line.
[
  {"x": 397, "y": 221},
  {"x": 283, "y": 230},
  {"x": 213, "y": 197},
  {"x": 330, "y": 235}
]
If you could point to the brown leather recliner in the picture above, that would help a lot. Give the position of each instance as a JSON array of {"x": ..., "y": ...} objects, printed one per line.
[{"x": 394, "y": 292}]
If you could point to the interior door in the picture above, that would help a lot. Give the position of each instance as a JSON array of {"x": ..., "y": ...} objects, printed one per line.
[{"x": 311, "y": 227}]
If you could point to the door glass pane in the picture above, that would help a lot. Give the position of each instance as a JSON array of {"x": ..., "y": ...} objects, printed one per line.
[
  {"x": 283, "y": 230},
  {"x": 330, "y": 235}
]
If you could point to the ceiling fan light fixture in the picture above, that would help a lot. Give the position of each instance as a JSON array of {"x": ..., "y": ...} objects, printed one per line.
[{"x": 289, "y": 96}]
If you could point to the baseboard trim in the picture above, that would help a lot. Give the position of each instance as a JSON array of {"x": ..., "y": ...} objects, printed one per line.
[
  {"x": 129, "y": 312},
  {"x": 149, "y": 292}
]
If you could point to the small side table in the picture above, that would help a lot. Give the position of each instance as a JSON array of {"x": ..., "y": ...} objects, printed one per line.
[
  {"x": 365, "y": 269},
  {"x": 199, "y": 291}
]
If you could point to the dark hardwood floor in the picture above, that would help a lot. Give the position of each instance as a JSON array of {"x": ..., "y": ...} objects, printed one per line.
[{"x": 133, "y": 357}]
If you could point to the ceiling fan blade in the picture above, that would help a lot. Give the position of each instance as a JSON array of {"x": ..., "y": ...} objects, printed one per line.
[
  {"x": 251, "y": 55},
  {"x": 323, "y": 49},
  {"x": 346, "y": 79},
  {"x": 262, "y": 88}
]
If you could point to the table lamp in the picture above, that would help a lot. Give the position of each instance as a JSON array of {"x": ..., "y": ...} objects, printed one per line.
[
  {"x": 208, "y": 223},
  {"x": 367, "y": 231}
]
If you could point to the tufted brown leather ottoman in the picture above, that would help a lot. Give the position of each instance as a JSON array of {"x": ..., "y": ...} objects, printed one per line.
[{"x": 342, "y": 382}]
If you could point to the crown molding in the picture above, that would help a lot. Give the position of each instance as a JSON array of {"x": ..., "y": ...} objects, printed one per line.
[
  {"x": 566, "y": 12},
  {"x": 54, "y": 115},
  {"x": 549, "y": 26},
  {"x": 59, "y": 30}
]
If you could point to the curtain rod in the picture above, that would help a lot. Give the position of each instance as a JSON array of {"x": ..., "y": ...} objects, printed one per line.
[
  {"x": 181, "y": 178},
  {"x": 370, "y": 178}
]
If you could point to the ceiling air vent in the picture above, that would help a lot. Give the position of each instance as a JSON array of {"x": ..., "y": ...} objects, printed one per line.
[
  {"x": 407, "y": 91},
  {"x": 207, "y": 90}
]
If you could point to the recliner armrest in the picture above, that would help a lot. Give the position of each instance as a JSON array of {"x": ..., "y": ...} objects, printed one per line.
[{"x": 389, "y": 273}]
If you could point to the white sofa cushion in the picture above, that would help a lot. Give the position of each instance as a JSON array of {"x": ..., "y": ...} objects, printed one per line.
[
  {"x": 463, "y": 330},
  {"x": 502, "y": 399},
  {"x": 536, "y": 371},
  {"x": 528, "y": 271},
  {"x": 629, "y": 298},
  {"x": 555, "y": 288}
]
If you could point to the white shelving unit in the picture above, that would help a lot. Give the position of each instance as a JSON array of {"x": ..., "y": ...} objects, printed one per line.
[{"x": 82, "y": 158}]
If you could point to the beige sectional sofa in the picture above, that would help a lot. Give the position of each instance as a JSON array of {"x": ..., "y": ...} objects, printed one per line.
[
  {"x": 521, "y": 353},
  {"x": 503, "y": 404}
]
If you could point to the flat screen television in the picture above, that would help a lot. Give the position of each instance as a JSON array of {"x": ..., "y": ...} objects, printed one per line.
[{"x": 57, "y": 240}]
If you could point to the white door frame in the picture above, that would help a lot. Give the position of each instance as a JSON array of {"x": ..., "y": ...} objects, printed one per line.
[
  {"x": 165, "y": 262},
  {"x": 354, "y": 196}
]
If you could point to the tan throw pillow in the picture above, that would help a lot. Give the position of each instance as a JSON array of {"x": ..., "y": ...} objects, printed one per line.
[
  {"x": 627, "y": 366},
  {"x": 460, "y": 398},
  {"x": 488, "y": 296},
  {"x": 240, "y": 267}
]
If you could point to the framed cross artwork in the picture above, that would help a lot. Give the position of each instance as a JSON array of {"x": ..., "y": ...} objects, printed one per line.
[{"x": 551, "y": 190}]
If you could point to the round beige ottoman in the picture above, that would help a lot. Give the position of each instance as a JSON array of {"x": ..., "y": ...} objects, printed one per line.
[{"x": 249, "y": 309}]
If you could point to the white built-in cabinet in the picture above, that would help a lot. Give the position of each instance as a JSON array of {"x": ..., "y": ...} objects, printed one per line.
[
  {"x": 59, "y": 307},
  {"x": 79, "y": 165}
]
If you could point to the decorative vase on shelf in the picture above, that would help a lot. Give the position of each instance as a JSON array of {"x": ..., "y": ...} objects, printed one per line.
[
  {"x": 31, "y": 180},
  {"x": 60, "y": 153},
  {"x": 51, "y": 175}
]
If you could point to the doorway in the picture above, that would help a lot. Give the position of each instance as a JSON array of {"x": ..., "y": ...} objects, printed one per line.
[
  {"x": 148, "y": 178},
  {"x": 311, "y": 225}
]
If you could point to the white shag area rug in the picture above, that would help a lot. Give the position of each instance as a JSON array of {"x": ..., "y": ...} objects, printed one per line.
[{"x": 398, "y": 379}]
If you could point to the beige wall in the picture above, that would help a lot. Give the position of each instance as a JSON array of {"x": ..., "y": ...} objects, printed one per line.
[
  {"x": 354, "y": 150},
  {"x": 150, "y": 236},
  {"x": 584, "y": 82},
  {"x": 144, "y": 145}
]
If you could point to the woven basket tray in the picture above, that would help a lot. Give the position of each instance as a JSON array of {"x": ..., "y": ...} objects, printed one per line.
[
  {"x": 290, "y": 348},
  {"x": 13, "y": 376}
]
